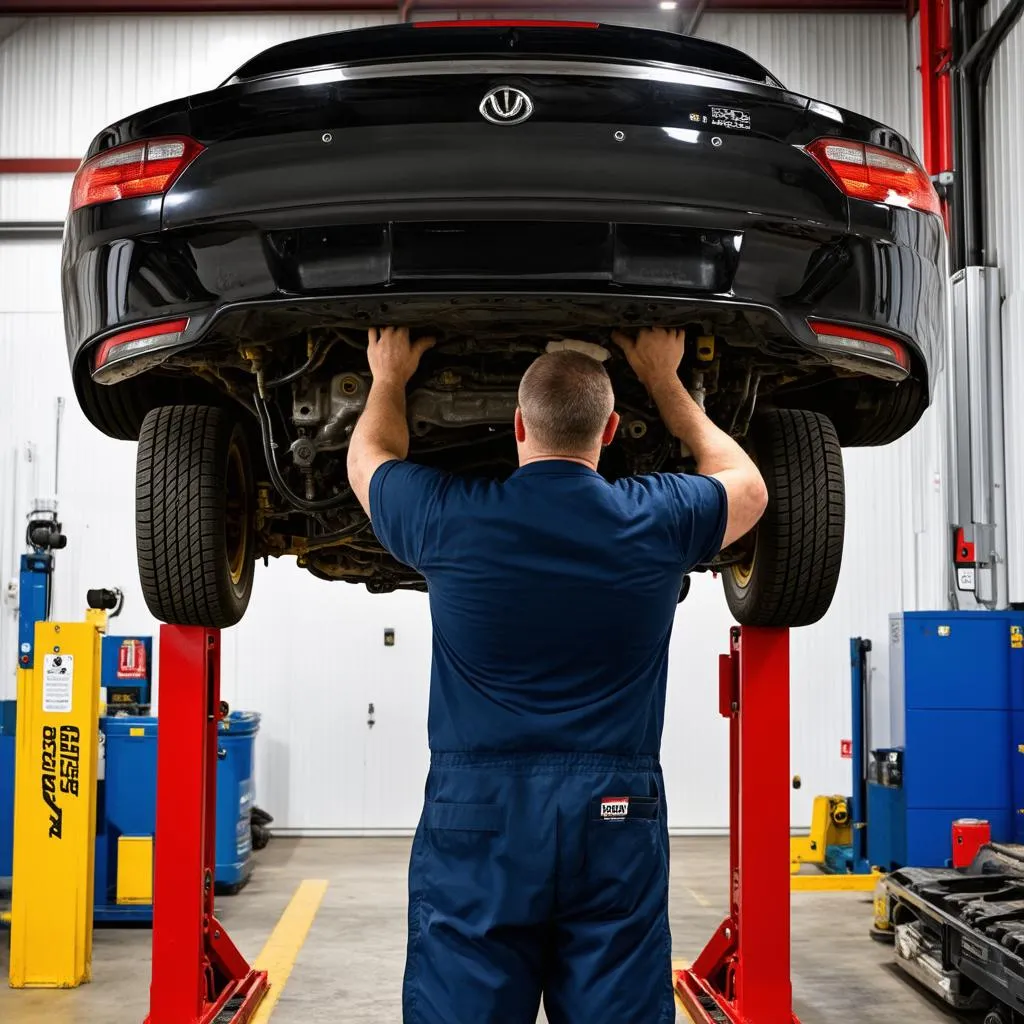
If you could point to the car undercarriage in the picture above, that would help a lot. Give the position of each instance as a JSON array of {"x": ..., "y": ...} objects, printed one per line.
[{"x": 306, "y": 391}]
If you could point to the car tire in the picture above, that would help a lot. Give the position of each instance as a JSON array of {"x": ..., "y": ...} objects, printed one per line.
[
  {"x": 194, "y": 515},
  {"x": 795, "y": 552}
]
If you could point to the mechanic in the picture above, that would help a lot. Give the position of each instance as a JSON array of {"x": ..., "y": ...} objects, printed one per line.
[{"x": 540, "y": 865}]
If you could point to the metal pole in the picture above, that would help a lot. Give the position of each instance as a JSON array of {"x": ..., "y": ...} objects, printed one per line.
[
  {"x": 56, "y": 448},
  {"x": 859, "y": 674},
  {"x": 31, "y": 231}
]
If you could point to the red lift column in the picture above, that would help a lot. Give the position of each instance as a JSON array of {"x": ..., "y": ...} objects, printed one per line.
[
  {"x": 743, "y": 974},
  {"x": 198, "y": 974}
]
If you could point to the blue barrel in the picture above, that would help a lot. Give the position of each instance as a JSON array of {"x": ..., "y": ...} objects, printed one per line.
[{"x": 236, "y": 793}]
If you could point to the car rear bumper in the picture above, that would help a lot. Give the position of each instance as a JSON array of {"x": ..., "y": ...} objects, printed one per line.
[{"x": 667, "y": 213}]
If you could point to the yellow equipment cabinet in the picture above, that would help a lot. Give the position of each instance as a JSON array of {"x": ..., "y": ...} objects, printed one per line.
[
  {"x": 55, "y": 806},
  {"x": 135, "y": 870}
]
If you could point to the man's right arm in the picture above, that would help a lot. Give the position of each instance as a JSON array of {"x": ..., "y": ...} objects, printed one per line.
[{"x": 655, "y": 355}]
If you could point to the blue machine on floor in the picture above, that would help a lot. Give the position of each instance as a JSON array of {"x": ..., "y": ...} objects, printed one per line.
[
  {"x": 127, "y": 790},
  {"x": 128, "y": 807},
  {"x": 126, "y": 786},
  {"x": 852, "y": 858},
  {"x": 956, "y": 685}
]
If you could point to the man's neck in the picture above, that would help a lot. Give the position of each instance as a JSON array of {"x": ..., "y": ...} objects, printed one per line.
[{"x": 590, "y": 461}]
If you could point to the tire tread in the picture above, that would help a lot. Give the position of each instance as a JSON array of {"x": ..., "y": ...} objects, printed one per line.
[
  {"x": 179, "y": 514},
  {"x": 800, "y": 539}
]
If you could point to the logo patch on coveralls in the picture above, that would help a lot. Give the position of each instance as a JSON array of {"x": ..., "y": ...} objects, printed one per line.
[{"x": 615, "y": 807}]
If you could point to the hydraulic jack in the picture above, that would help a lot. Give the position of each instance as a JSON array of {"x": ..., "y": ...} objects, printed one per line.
[
  {"x": 742, "y": 976},
  {"x": 199, "y": 976}
]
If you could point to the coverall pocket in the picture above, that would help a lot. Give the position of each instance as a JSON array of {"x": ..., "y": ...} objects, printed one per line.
[
  {"x": 625, "y": 809},
  {"x": 464, "y": 817},
  {"x": 460, "y": 874},
  {"x": 625, "y": 862},
  {"x": 455, "y": 831}
]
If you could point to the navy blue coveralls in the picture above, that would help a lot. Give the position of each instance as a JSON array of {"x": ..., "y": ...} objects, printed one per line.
[{"x": 540, "y": 865}]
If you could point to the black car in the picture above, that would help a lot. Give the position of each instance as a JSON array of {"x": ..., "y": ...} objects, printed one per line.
[{"x": 504, "y": 186}]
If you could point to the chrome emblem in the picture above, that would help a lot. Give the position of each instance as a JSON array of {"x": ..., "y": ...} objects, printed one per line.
[{"x": 506, "y": 105}]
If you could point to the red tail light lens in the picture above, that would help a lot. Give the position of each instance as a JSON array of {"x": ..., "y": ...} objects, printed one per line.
[
  {"x": 137, "y": 169},
  {"x": 131, "y": 352},
  {"x": 867, "y": 172},
  {"x": 863, "y": 351}
]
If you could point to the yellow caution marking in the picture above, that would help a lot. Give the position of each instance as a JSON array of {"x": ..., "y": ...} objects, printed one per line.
[
  {"x": 281, "y": 951},
  {"x": 681, "y": 965}
]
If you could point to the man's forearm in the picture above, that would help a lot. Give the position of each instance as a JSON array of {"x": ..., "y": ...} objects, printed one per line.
[
  {"x": 382, "y": 426},
  {"x": 713, "y": 449}
]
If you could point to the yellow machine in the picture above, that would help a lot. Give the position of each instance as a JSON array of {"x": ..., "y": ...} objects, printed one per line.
[
  {"x": 827, "y": 848},
  {"x": 55, "y": 806},
  {"x": 830, "y": 826}
]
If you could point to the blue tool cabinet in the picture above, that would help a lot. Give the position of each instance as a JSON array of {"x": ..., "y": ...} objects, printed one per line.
[{"x": 957, "y": 681}]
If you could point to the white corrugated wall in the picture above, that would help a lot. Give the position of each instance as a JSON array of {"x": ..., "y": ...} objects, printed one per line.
[
  {"x": 310, "y": 655},
  {"x": 1004, "y": 222}
]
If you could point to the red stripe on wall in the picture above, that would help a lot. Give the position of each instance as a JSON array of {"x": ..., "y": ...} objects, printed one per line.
[{"x": 38, "y": 165}]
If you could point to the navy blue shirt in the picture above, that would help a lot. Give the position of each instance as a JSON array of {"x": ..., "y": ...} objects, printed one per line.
[{"x": 552, "y": 595}]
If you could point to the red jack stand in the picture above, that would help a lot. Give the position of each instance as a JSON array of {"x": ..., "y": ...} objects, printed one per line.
[
  {"x": 199, "y": 977},
  {"x": 742, "y": 977}
]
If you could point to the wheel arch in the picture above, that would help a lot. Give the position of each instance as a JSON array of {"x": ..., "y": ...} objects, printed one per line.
[{"x": 118, "y": 410}]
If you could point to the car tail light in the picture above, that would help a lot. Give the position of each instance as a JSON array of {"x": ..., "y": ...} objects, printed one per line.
[
  {"x": 864, "y": 351},
  {"x": 131, "y": 352},
  {"x": 867, "y": 172},
  {"x": 137, "y": 169},
  {"x": 486, "y": 23}
]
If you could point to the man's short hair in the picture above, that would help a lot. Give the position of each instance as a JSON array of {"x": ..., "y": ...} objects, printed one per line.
[{"x": 566, "y": 398}]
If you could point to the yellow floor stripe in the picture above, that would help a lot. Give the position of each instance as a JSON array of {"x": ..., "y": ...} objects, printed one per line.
[{"x": 282, "y": 949}]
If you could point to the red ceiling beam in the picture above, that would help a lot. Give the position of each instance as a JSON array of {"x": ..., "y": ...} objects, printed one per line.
[
  {"x": 386, "y": 6},
  {"x": 38, "y": 165}
]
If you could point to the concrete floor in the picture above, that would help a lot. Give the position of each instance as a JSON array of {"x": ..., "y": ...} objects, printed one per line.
[{"x": 350, "y": 968}]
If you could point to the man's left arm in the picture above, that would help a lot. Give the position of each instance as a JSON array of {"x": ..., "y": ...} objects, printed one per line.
[{"x": 382, "y": 433}]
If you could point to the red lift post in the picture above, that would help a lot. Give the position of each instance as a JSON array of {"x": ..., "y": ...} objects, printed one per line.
[
  {"x": 936, "y": 89},
  {"x": 199, "y": 976},
  {"x": 743, "y": 975}
]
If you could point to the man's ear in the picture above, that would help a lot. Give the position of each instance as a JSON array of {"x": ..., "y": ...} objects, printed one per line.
[
  {"x": 520, "y": 427},
  {"x": 610, "y": 429}
]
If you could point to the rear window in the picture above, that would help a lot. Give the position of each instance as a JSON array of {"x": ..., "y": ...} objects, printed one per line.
[{"x": 411, "y": 41}]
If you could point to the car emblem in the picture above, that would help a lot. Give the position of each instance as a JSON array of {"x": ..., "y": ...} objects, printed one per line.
[{"x": 506, "y": 105}]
